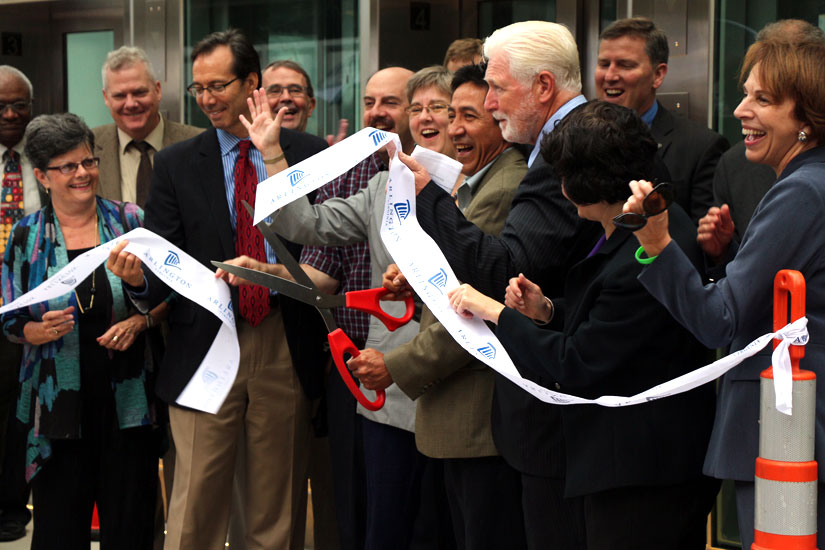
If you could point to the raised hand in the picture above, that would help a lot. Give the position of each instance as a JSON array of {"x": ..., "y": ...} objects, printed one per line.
[
  {"x": 264, "y": 129},
  {"x": 343, "y": 124},
  {"x": 715, "y": 232},
  {"x": 654, "y": 236}
]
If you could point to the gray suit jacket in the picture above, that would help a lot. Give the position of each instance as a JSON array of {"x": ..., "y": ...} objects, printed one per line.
[
  {"x": 454, "y": 390},
  {"x": 339, "y": 222},
  {"x": 787, "y": 231},
  {"x": 107, "y": 148},
  {"x": 690, "y": 151}
]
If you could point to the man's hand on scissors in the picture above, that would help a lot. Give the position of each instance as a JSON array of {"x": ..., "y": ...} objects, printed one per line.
[
  {"x": 370, "y": 369},
  {"x": 265, "y": 130},
  {"x": 396, "y": 284},
  {"x": 243, "y": 261}
]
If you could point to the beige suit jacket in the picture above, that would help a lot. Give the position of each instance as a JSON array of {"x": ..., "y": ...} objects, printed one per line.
[
  {"x": 107, "y": 149},
  {"x": 453, "y": 390}
]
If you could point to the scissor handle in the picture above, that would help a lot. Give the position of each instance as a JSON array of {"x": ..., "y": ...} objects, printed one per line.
[
  {"x": 339, "y": 344},
  {"x": 368, "y": 301}
]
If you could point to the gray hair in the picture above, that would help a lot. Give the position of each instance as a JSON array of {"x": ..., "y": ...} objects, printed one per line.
[
  {"x": 534, "y": 46},
  {"x": 435, "y": 76},
  {"x": 8, "y": 70},
  {"x": 49, "y": 136},
  {"x": 791, "y": 30},
  {"x": 126, "y": 56}
]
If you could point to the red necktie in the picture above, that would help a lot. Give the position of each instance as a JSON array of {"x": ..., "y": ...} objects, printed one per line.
[
  {"x": 11, "y": 206},
  {"x": 254, "y": 304}
]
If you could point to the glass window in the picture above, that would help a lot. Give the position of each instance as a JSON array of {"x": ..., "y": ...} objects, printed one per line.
[
  {"x": 738, "y": 21},
  {"x": 85, "y": 54},
  {"x": 320, "y": 35}
]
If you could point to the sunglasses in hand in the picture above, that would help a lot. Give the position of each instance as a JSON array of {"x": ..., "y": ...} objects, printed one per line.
[{"x": 654, "y": 203}]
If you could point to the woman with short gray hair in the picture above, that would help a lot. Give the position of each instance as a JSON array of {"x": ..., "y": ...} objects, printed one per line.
[{"x": 84, "y": 383}]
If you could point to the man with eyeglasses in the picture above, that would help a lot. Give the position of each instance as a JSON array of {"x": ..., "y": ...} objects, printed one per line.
[
  {"x": 288, "y": 85},
  {"x": 21, "y": 195},
  {"x": 195, "y": 202},
  {"x": 126, "y": 147}
]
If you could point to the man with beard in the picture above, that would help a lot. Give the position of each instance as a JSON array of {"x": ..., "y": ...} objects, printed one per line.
[
  {"x": 534, "y": 78},
  {"x": 348, "y": 268}
]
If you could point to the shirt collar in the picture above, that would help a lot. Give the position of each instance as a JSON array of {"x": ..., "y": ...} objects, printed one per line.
[
  {"x": 227, "y": 141},
  {"x": 560, "y": 113},
  {"x": 155, "y": 138},
  {"x": 650, "y": 114}
]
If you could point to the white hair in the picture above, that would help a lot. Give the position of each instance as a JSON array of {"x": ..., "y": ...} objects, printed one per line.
[
  {"x": 534, "y": 46},
  {"x": 126, "y": 56},
  {"x": 8, "y": 70}
]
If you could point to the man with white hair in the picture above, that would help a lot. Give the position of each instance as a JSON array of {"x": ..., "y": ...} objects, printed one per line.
[
  {"x": 127, "y": 147},
  {"x": 534, "y": 78}
]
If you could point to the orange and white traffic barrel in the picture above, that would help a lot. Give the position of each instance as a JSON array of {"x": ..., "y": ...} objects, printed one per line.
[{"x": 786, "y": 472}]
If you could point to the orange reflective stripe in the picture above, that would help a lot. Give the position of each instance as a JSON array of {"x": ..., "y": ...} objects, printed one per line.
[{"x": 776, "y": 470}]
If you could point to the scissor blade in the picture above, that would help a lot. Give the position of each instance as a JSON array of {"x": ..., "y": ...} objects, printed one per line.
[
  {"x": 281, "y": 252},
  {"x": 289, "y": 288}
]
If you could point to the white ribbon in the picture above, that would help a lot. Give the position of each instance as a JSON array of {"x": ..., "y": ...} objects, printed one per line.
[
  {"x": 209, "y": 386},
  {"x": 429, "y": 273},
  {"x": 310, "y": 174}
]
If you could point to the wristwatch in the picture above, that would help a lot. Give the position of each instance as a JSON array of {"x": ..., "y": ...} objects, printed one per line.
[{"x": 150, "y": 321}]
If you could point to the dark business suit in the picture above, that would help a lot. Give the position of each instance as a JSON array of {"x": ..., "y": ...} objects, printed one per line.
[
  {"x": 690, "y": 152},
  {"x": 187, "y": 205},
  {"x": 740, "y": 184},
  {"x": 605, "y": 349},
  {"x": 542, "y": 238},
  {"x": 786, "y": 231}
]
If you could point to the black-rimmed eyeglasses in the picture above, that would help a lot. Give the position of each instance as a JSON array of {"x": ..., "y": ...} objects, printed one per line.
[
  {"x": 71, "y": 167},
  {"x": 654, "y": 203},
  {"x": 216, "y": 88}
]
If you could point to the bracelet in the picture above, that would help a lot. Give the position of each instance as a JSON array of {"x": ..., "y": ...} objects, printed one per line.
[
  {"x": 273, "y": 160},
  {"x": 552, "y": 313},
  {"x": 644, "y": 261}
]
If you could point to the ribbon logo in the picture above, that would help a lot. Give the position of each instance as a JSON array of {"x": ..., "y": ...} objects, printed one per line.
[
  {"x": 295, "y": 176},
  {"x": 488, "y": 351},
  {"x": 172, "y": 260},
  {"x": 439, "y": 280},
  {"x": 208, "y": 377},
  {"x": 402, "y": 209},
  {"x": 377, "y": 136},
  {"x": 70, "y": 281}
]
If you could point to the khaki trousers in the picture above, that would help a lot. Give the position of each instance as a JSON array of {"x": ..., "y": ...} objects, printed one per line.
[{"x": 268, "y": 403}]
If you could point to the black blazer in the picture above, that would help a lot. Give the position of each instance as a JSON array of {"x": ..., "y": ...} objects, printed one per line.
[
  {"x": 690, "y": 152},
  {"x": 619, "y": 340},
  {"x": 187, "y": 206},
  {"x": 543, "y": 237}
]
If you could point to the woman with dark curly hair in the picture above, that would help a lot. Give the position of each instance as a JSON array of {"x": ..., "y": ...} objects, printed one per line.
[
  {"x": 85, "y": 376},
  {"x": 638, "y": 469}
]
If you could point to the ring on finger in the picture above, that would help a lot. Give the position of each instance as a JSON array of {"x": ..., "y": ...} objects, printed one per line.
[
  {"x": 54, "y": 330},
  {"x": 115, "y": 338}
]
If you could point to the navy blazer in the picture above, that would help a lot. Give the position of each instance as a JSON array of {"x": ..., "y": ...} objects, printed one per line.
[
  {"x": 618, "y": 340},
  {"x": 787, "y": 231},
  {"x": 690, "y": 152},
  {"x": 187, "y": 206}
]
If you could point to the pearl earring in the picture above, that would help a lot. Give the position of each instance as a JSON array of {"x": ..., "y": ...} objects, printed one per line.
[{"x": 802, "y": 136}]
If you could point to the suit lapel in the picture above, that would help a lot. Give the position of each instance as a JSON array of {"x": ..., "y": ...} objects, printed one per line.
[
  {"x": 108, "y": 151},
  {"x": 662, "y": 130},
  {"x": 209, "y": 179}
]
